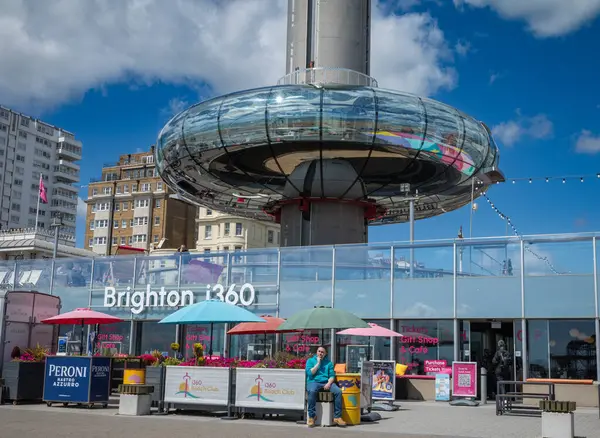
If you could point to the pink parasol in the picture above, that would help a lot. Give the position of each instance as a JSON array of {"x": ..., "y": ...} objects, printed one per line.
[
  {"x": 82, "y": 316},
  {"x": 270, "y": 325},
  {"x": 374, "y": 330}
]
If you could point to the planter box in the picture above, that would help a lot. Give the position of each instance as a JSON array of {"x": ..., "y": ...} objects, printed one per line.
[
  {"x": 155, "y": 376},
  {"x": 23, "y": 381}
]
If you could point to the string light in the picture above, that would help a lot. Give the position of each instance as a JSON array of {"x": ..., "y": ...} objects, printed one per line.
[
  {"x": 564, "y": 179},
  {"x": 516, "y": 232}
]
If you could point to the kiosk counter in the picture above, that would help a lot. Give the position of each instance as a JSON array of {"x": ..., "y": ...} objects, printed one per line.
[{"x": 77, "y": 379}]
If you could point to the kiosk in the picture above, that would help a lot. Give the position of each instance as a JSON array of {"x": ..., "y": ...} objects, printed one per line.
[{"x": 77, "y": 379}]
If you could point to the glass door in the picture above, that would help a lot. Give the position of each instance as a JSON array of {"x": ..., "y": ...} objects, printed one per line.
[
  {"x": 518, "y": 350},
  {"x": 464, "y": 337}
]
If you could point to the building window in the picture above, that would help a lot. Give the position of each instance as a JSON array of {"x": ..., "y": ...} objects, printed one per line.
[
  {"x": 129, "y": 240},
  {"x": 226, "y": 229},
  {"x": 125, "y": 205},
  {"x": 424, "y": 340},
  {"x": 157, "y": 203},
  {"x": 155, "y": 238},
  {"x": 119, "y": 190},
  {"x": 238, "y": 229},
  {"x": 94, "y": 192},
  {"x": 208, "y": 232},
  {"x": 99, "y": 240},
  {"x": 206, "y": 250},
  {"x": 117, "y": 206},
  {"x": 116, "y": 224},
  {"x": 133, "y": 188},
  {"x": 107, "y": 190},
  {"x": 139, "y": 238},
  {"x": 126, "y": 188},
  {"x": 225, "y": 248},
  {"x": 159, "y": 187},
  {"x": 146, "y": 187},
  {"x": 270, "y": 236},
  {"x": 102, "y": 223},
  {"x": 208, "y": 212},
  {"x": 141, "y": 220},
  {"x": 114, "y": 240},
  {"x": 124, "y": 223},
  {"x": 157, "y": 220},
  {"x": 562, "y": 349},
  {"x": 141, "y": 203},
  {"x": 91, "y": 225}
]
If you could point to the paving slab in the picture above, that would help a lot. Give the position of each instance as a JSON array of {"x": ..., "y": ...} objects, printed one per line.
[{"x": 413, "y": 420}]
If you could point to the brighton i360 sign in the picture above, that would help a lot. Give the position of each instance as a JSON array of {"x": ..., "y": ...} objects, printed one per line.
[{"x": 140, "y": 300}]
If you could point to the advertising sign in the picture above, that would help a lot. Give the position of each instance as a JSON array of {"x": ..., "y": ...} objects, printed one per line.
[
  {"x": 62, "y": 346},
  {"x": 67, "y": 379},
  {"x": 435, "y": 366},
  {"x": 271, "y": 388},
  {"x": 366, "y": 390},
  {"x": 384, "y": 380},
  {"x": 100, "y": 375},
  {"x": 197, "y": 385},
  {"x": 464, "y": 379},
  {"x": 442, "y": 387}
]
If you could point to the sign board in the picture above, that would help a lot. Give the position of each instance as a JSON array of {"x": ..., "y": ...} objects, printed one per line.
[
  {"x": 140, "y": 300},
  {"x": 355, "y": 354},
  {"x": 442, "y": 387},
  {"x": 77, "y": 379},
  {"x": 271, "y": 388},
  {"x": 197, "y": 385},
  {"x": 464, "y": 379},
  {"x": 366, "y": 390},
  {"x": 435, "y": 366},
  {"x": 384, "y": 380},
  {"x": 61, "y": 349}
]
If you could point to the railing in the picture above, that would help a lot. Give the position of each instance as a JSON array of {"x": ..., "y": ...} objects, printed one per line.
[
  {"x": 327, "y": 75},
  {"x": 17, "y": 234}
]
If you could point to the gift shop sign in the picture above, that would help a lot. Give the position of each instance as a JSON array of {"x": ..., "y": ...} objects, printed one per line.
[
  {"x": 139, "y": 300},
  {"x": 273, "y": 388}
]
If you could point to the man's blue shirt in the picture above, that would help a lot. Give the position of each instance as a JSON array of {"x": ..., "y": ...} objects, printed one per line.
[{"x": 323, "y": 374}]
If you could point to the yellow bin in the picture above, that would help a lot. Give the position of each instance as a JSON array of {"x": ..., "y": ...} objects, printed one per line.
[
  {"x": 133, "y": 376},
  {"x": 350, "y": 386}
]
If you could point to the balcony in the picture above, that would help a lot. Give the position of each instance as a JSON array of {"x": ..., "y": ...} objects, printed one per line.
[
  {"x": 65, "y": 186},
  {"x": 66, "y": 173},
  {"x": 64, "y": 197},
  {"x": 68, "y": 150},
  {"x": 64, "y": 207},
  {"x": 69, "y": 164}
]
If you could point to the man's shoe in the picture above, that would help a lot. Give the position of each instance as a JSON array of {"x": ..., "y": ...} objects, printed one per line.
[
  {"x": 310, "y": 422},
  {"x": 339, "y": 422}
]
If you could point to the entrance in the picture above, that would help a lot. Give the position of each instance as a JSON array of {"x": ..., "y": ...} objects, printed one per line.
[{"x": 479, "y": 344}]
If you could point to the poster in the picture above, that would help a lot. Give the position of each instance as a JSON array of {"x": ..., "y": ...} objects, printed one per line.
[
  {"x": 197, "y": 385},
  {"x": 464, "y": 379},
  {"x": 270, "y": 388},
  {"x": 384, "y": 380},
  {"x": 62, "y": 346},
  {"x": 442, "y": 387},
  {"x": 67, "y": 379}
]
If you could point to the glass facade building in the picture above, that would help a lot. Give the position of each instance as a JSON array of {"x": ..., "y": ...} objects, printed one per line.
[{"x": 450, "y": 300}]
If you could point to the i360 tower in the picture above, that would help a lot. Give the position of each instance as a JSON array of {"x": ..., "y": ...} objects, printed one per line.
[{"x": 326, "y": 152}]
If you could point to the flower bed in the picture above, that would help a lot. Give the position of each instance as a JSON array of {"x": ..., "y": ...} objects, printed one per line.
[{"x": 280, "y": 360}]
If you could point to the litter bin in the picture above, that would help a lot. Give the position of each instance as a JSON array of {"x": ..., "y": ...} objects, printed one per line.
[
  {"x": 132, "y": 376},
  {"x": 349, "y": 383},
  {"x": 77, "y": 379}
]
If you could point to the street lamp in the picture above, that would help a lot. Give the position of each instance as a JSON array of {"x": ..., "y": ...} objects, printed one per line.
[{"x": 57, "y": 222}]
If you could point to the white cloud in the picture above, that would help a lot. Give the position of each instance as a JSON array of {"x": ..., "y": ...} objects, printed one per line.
[
  {"x": 494, "y": 77},
  {"x": 587, "y": 143},
  {"x": 534, "y": 128},
  {"x": 545, "y": 18},
  {"x": 175, "y": 106},
  {"x": 58, "y": 50},
  {"x": 81, "y": 208},
  {"x": 462, "y": 48}
]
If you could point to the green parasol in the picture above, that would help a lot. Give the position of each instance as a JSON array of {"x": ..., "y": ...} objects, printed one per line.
[{"x": 322, "y": 318}]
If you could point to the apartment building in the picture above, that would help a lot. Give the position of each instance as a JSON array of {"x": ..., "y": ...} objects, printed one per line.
[
  {"x": 223, "y": 232},
  {"x": 30, "y": 148},
  {"x": 131, "y": 206}
]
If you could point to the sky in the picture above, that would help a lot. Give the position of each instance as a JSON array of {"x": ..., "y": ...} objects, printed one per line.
[{"x": 113, "y": 72}]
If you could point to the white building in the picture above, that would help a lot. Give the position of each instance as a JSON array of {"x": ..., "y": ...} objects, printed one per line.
[
  {"x": 30, "y": 148},
  {"x": 223, "y": 232}
]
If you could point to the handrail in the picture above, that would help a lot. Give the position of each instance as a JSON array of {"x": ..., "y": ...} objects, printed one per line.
[{"x": 327, "y": 75}]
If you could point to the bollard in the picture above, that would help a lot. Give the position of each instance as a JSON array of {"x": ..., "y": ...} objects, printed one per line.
[{"x": 483, "y": 386}]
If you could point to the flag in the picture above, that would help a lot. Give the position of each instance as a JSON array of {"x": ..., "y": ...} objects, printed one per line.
[{"x": 43, "y": 195}]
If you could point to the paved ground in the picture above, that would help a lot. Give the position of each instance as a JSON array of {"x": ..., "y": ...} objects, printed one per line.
[{"x": 414, "y": 420}]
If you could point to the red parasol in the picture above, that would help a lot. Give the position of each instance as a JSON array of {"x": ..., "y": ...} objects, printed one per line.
[
  {"x": 259, "y": 328},
  {"x": 82, "y": 316}
]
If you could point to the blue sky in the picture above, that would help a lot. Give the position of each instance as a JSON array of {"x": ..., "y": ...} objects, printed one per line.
[{"x": 527, "y": 71}]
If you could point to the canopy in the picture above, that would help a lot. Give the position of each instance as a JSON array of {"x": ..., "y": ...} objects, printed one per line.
[
  {"x": 374, "y": 330},
  {"x": 82, "y": 316},
  {"x": 271, "y": 325},
  {"x": 323, "y": 318},
  {"x": 209, "y": 312}
]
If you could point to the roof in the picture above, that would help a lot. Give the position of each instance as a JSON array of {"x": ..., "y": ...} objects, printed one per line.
[{"x": 34, "y": 244}]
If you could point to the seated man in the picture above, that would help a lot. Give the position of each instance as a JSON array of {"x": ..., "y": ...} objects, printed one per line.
[{"x": 320, "y": 375}]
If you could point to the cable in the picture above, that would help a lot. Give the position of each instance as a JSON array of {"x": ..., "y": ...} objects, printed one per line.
[{"x": 516, "y": 232}]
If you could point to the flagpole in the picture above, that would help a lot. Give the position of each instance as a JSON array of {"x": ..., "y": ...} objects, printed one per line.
[{"x": 37, "y": 211}]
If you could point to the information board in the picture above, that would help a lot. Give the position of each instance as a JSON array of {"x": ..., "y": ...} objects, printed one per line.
[
  {"x": 442, "y": 387},
  {"x": 355, "y": 354},
  {"x": 272, "y": 388},
  {"x": 366, "y": 389},
  {"x": 464, "y": 379}
]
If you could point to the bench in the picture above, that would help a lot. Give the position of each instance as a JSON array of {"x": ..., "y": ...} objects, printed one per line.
[{"x": 512, "y": 402}]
